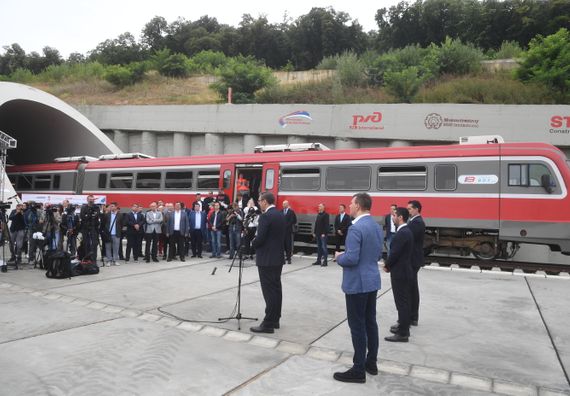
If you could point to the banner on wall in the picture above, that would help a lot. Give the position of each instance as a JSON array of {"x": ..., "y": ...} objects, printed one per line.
[{"x": 59, "y": 198}]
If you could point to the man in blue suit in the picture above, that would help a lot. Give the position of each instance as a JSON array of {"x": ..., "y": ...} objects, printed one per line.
[
  {"x": 360, "y": 283},
  {"x": 197, "y": 225},
  {"x": 177, "y": 230}
]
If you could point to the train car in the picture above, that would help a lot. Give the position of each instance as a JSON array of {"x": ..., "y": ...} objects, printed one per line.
[{"x": 481, "y": 199}]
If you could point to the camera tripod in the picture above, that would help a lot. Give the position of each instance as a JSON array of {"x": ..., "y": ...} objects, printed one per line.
[{"x": 238, "y": 316}]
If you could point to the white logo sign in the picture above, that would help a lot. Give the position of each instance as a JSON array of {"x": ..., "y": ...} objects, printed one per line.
[
  {"x": 58, "y": 198},
  {"x": 478, "y": 179}
]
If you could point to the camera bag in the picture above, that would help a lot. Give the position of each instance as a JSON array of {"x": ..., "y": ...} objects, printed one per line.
[{"x": 58, "y": 265}]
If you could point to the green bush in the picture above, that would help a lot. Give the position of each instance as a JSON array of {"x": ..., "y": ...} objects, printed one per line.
[
  {"x": 456, "y": 58},
  {"x": 175, "y": 65},
  {"x": 508, "y": 50},
  {"x": 120, "y": 76},
  {"x": 23, "y": 76},
  {"x": 208, "y": 61},
  {"x": 245, "y": 76},
  {"x": 405, "y": 84},
  {"x": 328, "y": 63},
  {"x": 547, "y": 61},
  {"x": 485, "y": 90},
  {"x": 350, "y": 70}
]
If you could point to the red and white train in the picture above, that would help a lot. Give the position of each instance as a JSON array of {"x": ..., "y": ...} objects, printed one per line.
[{"x": 483, "y": 199}]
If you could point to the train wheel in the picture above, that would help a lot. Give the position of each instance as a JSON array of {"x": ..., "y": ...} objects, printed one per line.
[{"x": 486, "y": 251}]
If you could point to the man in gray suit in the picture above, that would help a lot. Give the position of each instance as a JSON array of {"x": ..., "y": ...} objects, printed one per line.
[
  {"x": 152, "y": 232},
  {"x": 177, "y": 230}
]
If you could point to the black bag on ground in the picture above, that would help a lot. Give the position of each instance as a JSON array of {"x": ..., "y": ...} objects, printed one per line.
[{"x": 58, "y": 264}]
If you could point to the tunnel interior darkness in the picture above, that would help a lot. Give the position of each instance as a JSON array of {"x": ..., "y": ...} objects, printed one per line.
[{"x": 44, "y": 133}]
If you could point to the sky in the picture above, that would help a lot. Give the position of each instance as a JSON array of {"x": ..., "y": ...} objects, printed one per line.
[{"x": 79, "y": 25}]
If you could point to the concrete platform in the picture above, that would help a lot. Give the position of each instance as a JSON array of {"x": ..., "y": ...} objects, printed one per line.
[{"x": 108, "y": 334}]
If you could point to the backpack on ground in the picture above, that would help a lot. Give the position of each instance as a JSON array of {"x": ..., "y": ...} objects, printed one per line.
[{"x": 58, "y": 265}]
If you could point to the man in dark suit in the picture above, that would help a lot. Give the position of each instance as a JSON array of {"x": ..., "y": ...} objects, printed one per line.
[
  {"x": 399, "y": 264},
  {"x": 269, "y": 259},
  {"x": 341, "y": 223},
  {"x": 111, "y": 229},
  {"x": 418, "y": 228},
  {"x": 216, "y": 222},
  {"x": 290, "y": 228},
  {"x": 197, "y": 226},
  {"x": 389, "y": 228},
  {"x": 320, "y": 234},
  {"x": 135, "y": 232},
  {"x": 200, "y": 202},
  {"x": 360, "y": 283},
  {"x": 177, "y": 230}
]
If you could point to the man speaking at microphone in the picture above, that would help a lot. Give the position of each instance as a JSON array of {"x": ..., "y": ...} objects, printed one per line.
[
  {"x": 268, "y": 244},
  {"x": 360, "y": 283}
]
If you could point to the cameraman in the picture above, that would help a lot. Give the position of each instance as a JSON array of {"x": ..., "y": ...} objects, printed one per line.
[
  {"x": 52, "y": 229},
  {"x": 89, "y": 218},
  {"x": 17, "y": 231},
  {"x": 34, "y": 218},
  {"x": 70, "y": 228},
  {"x": 234, "y": 220}
]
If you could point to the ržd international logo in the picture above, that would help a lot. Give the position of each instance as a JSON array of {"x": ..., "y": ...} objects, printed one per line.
[
  {"x": 436, "y": 121},
  {"x": 433, "y": 121}
]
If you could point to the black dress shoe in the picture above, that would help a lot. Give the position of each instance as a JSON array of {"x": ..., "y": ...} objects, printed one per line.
[
  {"x": 193, "y": 256},
  {"x": 324, "y": 265},
  {"x": 182, "y": 259},
  {"x": 288, "y": 261},
  {"x": 168, "y": 260},
  {"x": 397, "y": 338},
  {"x": 316, "y": 263},
  {"x": 350, "y": 376},
  {"x": 371, "y": 368},
  {"x": 262, "y": 329},
  {"x": 147, "y": 260},
  {"x": 414, "y": 322},
  {"x": 199, "y": 256},
  {"x": 155, "y": 260}
]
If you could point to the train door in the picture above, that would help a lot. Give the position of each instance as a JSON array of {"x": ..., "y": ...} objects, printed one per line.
[
  {"x": 227, "y": 180},
  {"x": 270, "y": 179}
]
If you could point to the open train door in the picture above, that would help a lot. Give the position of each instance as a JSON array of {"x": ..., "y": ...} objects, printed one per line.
[
  {"x": 270, "y": 179},
  {"x": 227, "y": 180}
]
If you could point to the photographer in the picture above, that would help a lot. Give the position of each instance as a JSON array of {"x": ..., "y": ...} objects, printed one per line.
[
  {"x": 250, "y": 223},
  {"x": 70, "y": 229},
  {"x": 17, "y": 231},
  {"x": 234, "y": 220},
  {"x": 34, "y": 218},
  {"x": 52, "y": 229},
  {"x": 89, "y": 218}
]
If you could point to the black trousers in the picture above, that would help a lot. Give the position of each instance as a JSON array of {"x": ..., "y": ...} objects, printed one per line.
[
  {"x": 340, "y": 240},
  {"x": 196, "y": 238},
  {"x": 176, "y": 245},
  {"x": 90, "y": 240},
  {"x": 415, "y": 297},
  {"x": 151, "y": 239},
  {"x": 361, "y": 315},
  {"x": 402, "y": 298},
  {"x": 288, "y": 245},
  {"x": 270, "y": 279},
  {"x": 134, "y": 243}
]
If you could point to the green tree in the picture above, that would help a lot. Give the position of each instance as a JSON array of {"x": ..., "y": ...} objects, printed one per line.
[
  {"x": 548, "y": 61},
  {"x": 264, "y": 41},
  {"x": 14, "y": 58},
  {"x": 120, "y": 51},
  {"x": 245, "y": 76},
  {"x": 404, "y": 84},
  {"x": 175, "y": 65}
]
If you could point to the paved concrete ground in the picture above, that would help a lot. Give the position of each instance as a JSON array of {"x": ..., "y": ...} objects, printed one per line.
[{"x": 109, "y": 334}]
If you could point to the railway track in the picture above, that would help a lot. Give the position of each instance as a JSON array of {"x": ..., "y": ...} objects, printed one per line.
[{"x": 501, "y": 265}]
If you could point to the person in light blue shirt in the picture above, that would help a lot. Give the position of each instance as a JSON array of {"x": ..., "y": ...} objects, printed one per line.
[{"x": 360, "y": 284}]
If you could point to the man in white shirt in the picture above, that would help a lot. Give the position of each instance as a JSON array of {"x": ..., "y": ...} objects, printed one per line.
[{"x": 177, "y": 230}]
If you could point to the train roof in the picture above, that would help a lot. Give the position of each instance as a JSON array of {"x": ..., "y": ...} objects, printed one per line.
[{"x": 455, "y": 150}]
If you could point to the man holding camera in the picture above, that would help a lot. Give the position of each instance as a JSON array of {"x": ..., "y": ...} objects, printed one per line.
[
  {"x": 70, "y": 228},
  {"x": 34, "y": 218},
  {"x": 90, "y": 218},
  {"x": 17, "y": 231}
]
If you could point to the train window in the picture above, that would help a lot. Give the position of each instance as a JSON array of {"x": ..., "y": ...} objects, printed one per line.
[
  {"x": 178, "y": 180},
  {"x": 528, "y": 175},
  {"x": 42, "y": 182},
  {"x": 269, "y": 179},
  {"x": 348, "y": 178},
  {"x": 146, "y": 181},
  {"x": 402, "y": 178},
  {"x": 227, "y": 178},
  {"x": 13, "y": 179},
  {"x": 24, "y": 182},
  {"x": 56, "y": 180},
  {"x": 208, "y": 180},
  {"x": 121, "y": 180},
  {"x": 102, "y": 180},
  {"x": 300, "y": 179},
  {"x": 445, "y": 177}
]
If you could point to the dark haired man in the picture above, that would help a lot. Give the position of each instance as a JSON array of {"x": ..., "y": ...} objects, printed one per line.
[
  {"x": 418, "y": 228},
  {"x": 389, "y": 227},
  {"x": 291, "y": 224},
  {"x": 360, "y": 283},
  {"x": 268, "y": 244},
  {"x": 341, "y": 223},
  {"x": 90, "y": 218},
  {"x": 399, "y": 264},
  {"x": 320, "y": 233}
]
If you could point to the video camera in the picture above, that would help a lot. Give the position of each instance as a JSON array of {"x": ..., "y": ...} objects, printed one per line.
[{"x": 5, "y": 205}]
